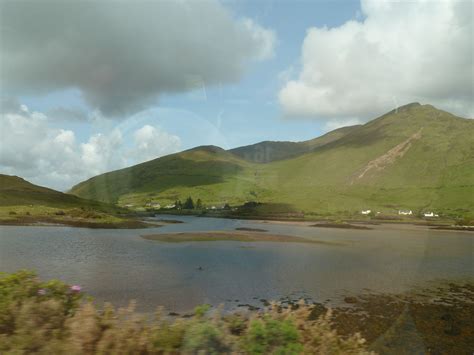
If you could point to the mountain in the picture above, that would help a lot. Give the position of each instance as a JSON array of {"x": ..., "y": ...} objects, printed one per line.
[
  {"x": 268, "y": 151},
  {"x": 415, "y": 157},
  {"x": 23, "y": 203},
  {"x": 17, "y": 191},
  {"x": 217, "y": 173}
]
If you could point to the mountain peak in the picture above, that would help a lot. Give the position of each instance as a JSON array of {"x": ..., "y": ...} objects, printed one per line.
[
  {"x": 408, "y": 106},
  {"x": 207, "y": 148}
]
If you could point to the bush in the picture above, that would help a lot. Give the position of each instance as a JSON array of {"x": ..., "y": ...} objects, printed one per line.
[
  {"x": 272, "y": 336},
  {"x": 55, "y": 318}
]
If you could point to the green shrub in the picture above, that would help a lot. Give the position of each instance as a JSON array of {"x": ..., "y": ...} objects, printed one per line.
[
  {"x": 204, "y": 337},
  {"x": 271, "y": 336}
]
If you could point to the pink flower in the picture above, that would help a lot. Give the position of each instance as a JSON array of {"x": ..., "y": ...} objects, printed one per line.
[
  {"x": 41, "y": 292},
  {"x": 76, "y": 288}
]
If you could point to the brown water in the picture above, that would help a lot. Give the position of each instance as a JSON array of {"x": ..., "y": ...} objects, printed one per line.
[{"x": 118, "y": 265}]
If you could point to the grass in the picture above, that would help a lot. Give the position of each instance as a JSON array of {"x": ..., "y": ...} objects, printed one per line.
[
  {"x": 22, "y": 203},
  {"x": 75, "y": 217},
  {"x": 435, "y": 172}
]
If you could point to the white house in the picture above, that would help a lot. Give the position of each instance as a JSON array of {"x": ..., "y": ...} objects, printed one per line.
[
  {"x": 430, "y": 214},
  {"x": 405, "y": 212},
  {"x": 170, "y": 206},
  {"x": 365, "y": 212}
]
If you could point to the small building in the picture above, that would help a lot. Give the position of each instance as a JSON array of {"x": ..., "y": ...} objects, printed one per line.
[
  {"x": 430, "y": 214},
  {"x": 405, "y": 212},
  {"x": 365, "y": 212},
  {"x": 170, "y": 206}
]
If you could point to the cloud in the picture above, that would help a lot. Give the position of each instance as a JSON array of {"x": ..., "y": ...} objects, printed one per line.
[
  {"x": 265, "y": 37},
  {"x": 402, "y": 51},
  {"x": 68, "y": 114},
  {"x": 122, "y": 55},
  {"x": 53, "y": 157},
  {"x": 152, "y": 142},
  {"x": 341, "y": 122},
  {"x": 102, "y": 152}
]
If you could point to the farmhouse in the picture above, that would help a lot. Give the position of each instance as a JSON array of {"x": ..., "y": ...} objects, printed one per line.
[
  {"x": 366, "y": 212},
  {"x": 405, "y": 212},
  {"x": 430, "y": 214}
]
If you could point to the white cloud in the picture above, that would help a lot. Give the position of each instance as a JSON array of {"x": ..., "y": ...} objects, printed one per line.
[
  {"x": 152, "y": 142},
  {"x": 122, "y": 55},
  {"x": 403, "y": 51},
  {"x": 265, "y": 38},
  {"x": 340, "y": 122},
  {"x": 31, "y": 148},
  {"x": 102, "y": 152}
]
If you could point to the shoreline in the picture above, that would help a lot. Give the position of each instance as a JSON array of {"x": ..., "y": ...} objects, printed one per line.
[
  {"x": 146, "y": 222},
  {"x": 336, "y": 222},
  {"x": 77, "y": 223}
]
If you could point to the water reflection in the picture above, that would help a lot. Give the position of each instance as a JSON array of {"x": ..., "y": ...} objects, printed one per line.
[{"x": 118, "y": 265}]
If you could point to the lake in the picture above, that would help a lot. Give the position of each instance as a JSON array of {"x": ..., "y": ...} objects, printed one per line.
[{"x": 119, "y": 265}]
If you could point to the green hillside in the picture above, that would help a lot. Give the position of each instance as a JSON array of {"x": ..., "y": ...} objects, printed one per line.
[
  {"x": 17, "y": 191},
  {"x": 415, "y": 157},
  {"x": 268, "y": 151},
  {"x": 209, "y": 171},
  {"x": 22, "y": 202}
]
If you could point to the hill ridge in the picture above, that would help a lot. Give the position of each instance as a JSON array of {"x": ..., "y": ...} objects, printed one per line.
[{"x": 413, "y": 157}]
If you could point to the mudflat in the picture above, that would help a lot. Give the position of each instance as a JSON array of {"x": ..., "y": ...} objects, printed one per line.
[{"x": 238, "y": 236}]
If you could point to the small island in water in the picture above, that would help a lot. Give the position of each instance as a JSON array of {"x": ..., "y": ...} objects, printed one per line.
[{"x": 239, "y": 236}]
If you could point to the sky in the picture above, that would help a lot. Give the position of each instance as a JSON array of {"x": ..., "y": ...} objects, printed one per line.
[{"x": 88, "y": 87}]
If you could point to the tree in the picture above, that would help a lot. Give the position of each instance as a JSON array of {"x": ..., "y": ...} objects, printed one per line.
[
  {"x": 198, "y": 204},
  {"x": 188, "y": 204}
]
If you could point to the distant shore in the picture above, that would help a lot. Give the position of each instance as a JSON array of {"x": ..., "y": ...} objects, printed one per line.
[
  {"x": 370, "y": 225},
  {"x": 111, "y": 223}
]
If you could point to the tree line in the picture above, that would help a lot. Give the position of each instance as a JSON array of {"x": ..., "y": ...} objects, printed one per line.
[{"x": 189, "y": 204}]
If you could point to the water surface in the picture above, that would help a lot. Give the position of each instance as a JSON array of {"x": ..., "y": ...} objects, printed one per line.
[{"x": 118, "y": 265}]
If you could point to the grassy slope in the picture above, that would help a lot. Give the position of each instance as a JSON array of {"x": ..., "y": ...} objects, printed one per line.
[
  {"x": 207, "y": 172},
  {"x": 436, "y": 171},
  {"x": 22, "y": 203},
  {"x": 433, "y": 168}
]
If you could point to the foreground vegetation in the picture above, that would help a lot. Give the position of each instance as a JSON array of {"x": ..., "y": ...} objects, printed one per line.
[{"x": 55, "y": 318}]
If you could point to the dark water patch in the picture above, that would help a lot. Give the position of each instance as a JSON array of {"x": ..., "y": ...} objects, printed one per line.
[
  {"x": 250, "y": 229},
  {"x": 340, "y": 225}
]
